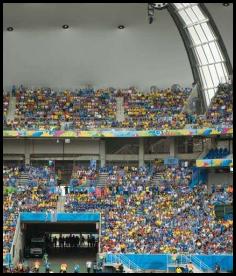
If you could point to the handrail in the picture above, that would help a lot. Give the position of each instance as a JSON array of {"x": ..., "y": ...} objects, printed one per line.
[
  {"x": 131, "y": 263},
  {"x": 121, "y": 258},
  {"x": 200, "y": 263}
]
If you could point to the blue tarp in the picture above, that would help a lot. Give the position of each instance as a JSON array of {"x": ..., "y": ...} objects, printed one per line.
[
  {"x": 61, "y": 217},
  {"x": 159, "y": 261}
]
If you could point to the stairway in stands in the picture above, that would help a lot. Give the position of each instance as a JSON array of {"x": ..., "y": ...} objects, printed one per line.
[
  {"x": 23, "y": 179},
  {"x": 102, "y": 179},
  {"x": 12, "y": 109},
  {"x": 61, "y": 204},
  {"x": 155, "y": 179},
  {"x": 120, "y": 116}
]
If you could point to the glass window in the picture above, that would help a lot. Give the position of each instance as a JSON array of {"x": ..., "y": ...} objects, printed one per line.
[
  {"x": 214, "y": 75},
  {"x": 207, "y": 76},
  {"x": 198, "y": 13},
  {"x": 219, "y": 51},
  {"x": 203, "y": 81},
  {"x": 191, "y": 15},
  {"x": 207, "y": 97},
  {"x": 194, "y": 36},
  {"x": 201, "y": 54},
  {"x": 220, "y": 71},
  {"x": 211, "y": 94},
  {"x": 225, "y": 71},
  {"x": 208, "y": 53},
  {"x": 215, "y": 52},
  {"x": 208, "y": 31},
  {"x": 178, "y": 5},
  {"x": 185, "y": 17},
  {"x": 201, "y": 33}
]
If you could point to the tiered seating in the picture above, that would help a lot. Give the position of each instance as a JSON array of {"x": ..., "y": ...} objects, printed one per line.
[
  {"x": 46, "y": 109},
  {"x": 35, "y": 195},
  {"x": 87, "y": 109},
  {"x": 217, "y": 153},
  {"x": 82, "y": 176},
  {"x": 6, "y": 100},
  {"x": 220, "y": 111},
  {"x": 159, "y": 109},
  {"x": 137, "y": 217}
]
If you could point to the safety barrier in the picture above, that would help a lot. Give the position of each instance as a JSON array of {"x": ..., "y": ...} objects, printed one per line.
[
  {"x": 60, "y": 217},
  {"x": 205, "y": 263}
]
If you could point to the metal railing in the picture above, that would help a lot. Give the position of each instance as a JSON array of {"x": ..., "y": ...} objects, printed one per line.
[
  {"x": 200, "y": 264},
  {"x": 127, "y": 263},
  {"x": 187, "y": 259}
]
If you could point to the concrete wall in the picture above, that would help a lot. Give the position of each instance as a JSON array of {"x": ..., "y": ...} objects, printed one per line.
[
  {"x": 50, "y": 146},
  {"x": 220, "y": 178},
  {"x": 78, "y": 149}
]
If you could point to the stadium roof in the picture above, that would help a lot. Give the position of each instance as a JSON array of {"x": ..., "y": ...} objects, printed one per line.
[{"x": 202, "y": 28}]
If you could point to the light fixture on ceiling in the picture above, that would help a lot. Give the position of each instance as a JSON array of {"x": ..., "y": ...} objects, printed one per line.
[
  {"x": 10, "y": 29},
  {"x": 160, "y": 6},
  {"x": 121, "y": 27},
  {"x": 65, "y": 26},
  {"x": 226, "y": 4}
]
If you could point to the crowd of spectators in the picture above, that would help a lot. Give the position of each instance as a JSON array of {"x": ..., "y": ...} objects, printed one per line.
[
  {"x": 137, "y": 215},
  {"x": 46, "y": 109},
  {"x": 6, "y": 100},
  {"x": 220, "y": 111},
  {"x": 161, "y": 109},
  {"x": 83, "y": 176},
  {"x": 143, "y": 218},
  {"x": 35, "y": 195},
  {"x": 88, "y": 109}
]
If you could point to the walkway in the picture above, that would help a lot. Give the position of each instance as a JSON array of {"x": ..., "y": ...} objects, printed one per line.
[{"x": 12, "y": 109}]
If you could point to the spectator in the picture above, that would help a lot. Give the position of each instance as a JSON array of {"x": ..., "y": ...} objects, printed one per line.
[
  {"x": 217, "y": 268},
  {"x": 88, "y": 266}
]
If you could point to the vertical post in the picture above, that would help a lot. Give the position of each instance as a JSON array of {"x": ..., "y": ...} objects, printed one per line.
[
  {"x": 102, "y": 149},
  {"x": 141, "y": 152},
  {"x": 167, "y": 263},
  {"x": 172, "y": 146},
  {"x": 27, "y": 151},
  {"x": 99, "y": 242}
]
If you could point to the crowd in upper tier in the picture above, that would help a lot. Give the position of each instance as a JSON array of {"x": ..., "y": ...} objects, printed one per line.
[
  {"x": 137, "y": 215},
  {"x": 159, "y": 109},
  {"x": 89, "y": 109},
  {"x": 220, "y": 111},
  {"x": 6, "y": 100}
]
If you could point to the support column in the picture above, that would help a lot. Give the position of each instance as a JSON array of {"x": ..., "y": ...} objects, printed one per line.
[
  {"x": 141, "y": 153},
  {"x": 213, "y": 143},
  {"x": 102, "y": 153},
  {"x": 27, "y": 152},
  {"x": 172, "y": 146}
]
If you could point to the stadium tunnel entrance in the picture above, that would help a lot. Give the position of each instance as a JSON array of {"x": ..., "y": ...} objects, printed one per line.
[
  {"x": 70, "y": 243},
  {"x": 73, "y": 241}
]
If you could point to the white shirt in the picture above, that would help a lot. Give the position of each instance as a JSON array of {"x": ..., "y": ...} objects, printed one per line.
[{"x": 88, "y": 264}]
